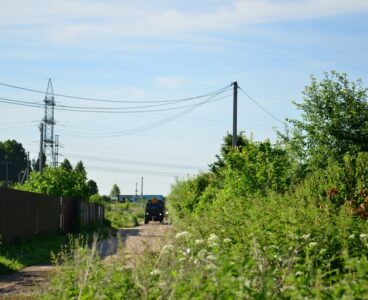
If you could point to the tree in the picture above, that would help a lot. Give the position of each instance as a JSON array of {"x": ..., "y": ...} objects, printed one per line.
[
  {"x": 79, "y": 168},
  {"x": 57, "y": 181},
  {"x": 334, "y": 120},
  {"x": 92, "y": 186},
  {"x": 226, "y": 148},
  {"x": 115, "y": 192},
  {"x": 36, "y": 163},
  {"x": 66, "y": 165},
  {"x": 13, "y": 160}
]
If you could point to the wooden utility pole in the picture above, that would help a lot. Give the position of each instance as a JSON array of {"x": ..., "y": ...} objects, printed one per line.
[
  {"x": 235, "y": 114},
  {"x": 40, "y": 162},
  {"x": 142, "y": 188}
]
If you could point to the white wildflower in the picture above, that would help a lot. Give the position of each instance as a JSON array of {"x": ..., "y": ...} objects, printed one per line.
[
  {"x": 247, "y": 283},
  {"x": 322, "y": 251},
  {"x": 306, "y": 236},
  {"x": 187, "y": 251},
  {"x": 167, "y": 248},
  {"x": 312, "y": 244},
  {"x": 182, "y": 234},
  {"x": 210, "y": 266},
  {"x": 227, "y": 240},
  {"x": 155, "y": 272},
  {"x": 211, "y": 257},
  {"x": 351, "y": 236},
  {"x": 363, "y": 236},
  {"x": 199, "y": 242},
  {"x": 213, "y": 237},
  {"x": 202, "y": 253},
  {"x": 212, "y": 240}
]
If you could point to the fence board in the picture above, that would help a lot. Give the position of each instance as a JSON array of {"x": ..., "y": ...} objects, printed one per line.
[{"x": 26, "y": 214}]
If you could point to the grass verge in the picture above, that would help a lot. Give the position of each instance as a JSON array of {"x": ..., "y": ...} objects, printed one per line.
[{"x": 39, "y": 250}]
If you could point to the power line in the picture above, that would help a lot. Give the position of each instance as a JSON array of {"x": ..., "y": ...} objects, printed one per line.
[
  {"x": 150, "y": 125},
  {"x": 141, "y": 106},
  {"x": 261, "y": 107},
  {"x": 113, "y": 101},
  {"x": 135, "y": 171},
  {"x": 91, "y": 110},
  {"x": 116, "y": 160}
]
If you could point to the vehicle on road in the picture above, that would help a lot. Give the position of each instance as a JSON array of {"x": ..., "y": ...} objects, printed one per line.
[{"x": 155, "y": 210}]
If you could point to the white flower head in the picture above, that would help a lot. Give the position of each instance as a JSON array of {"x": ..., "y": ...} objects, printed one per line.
[
  {"x": 183, "y": 234},
  {"x": 167, "y": 248},
  {"x": 212, "y": 239},
  {"x": 306, "y": 236},
  {"x": 199, "y": 242},
  {"x": 202, "y": 253},
  {"x": 299, "y": 273},
  {"x": 211, "y": 257},
  {"x": 227, "y": 240},
  {"x": 363, "y": 236},
  {"x": 187, "y": 251},
  {"x": 155, "y": 272},
  {"x": 312, "y": 244},
  {"x": 210, "y": 266}
]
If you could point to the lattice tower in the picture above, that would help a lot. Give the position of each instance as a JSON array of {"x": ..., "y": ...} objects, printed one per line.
[{"x": 49, "y": 122}]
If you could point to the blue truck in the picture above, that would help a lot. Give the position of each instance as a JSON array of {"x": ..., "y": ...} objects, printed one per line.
[{"x": 155, "y": 210}]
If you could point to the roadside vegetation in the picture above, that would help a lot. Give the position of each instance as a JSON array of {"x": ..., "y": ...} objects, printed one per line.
[
  {"x": 122, "y": 215},
  {"x": 268, "y": 221},
  {"x": 39, "y": 250}
]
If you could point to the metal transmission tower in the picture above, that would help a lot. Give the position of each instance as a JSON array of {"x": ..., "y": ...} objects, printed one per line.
[
  {"x": 56, "y": 161},
  {"x": 49, "y": 122}
]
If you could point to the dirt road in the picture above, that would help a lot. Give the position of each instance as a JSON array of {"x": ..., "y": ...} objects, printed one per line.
[{"x": 135, "y": 241}]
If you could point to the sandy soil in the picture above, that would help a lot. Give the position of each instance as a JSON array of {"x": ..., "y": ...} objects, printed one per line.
[{"x": 135, "y": 242}]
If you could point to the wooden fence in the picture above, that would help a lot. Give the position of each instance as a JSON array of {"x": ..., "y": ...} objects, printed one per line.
[{"x": 25, "y": 214}]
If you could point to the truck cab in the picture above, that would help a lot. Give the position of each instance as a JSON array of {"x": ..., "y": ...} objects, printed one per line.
[{"x": 155, "y": 210}]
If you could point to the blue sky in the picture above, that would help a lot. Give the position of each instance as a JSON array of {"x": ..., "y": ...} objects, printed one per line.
[{"x": 158, "y": 50}]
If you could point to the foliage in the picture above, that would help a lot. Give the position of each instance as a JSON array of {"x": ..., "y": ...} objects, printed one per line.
[
  {"x": 36, "y": 163},
  {"x": 38, "y": 250},
  {"x": 79, "y": 168},
  {"x": 257, "y": 226},
  {"x": 122, "y": 215},
  {"x": 66, "y": 165},
  {"x": 334, "y": 120},
  {"x": 92, "y": 187},
  {"x": 16, "y": 157},
  {"x": 96, "y": 198},
  {"x": 115, "y": 192},
  {"x": 83, "y": 275},
  {"x": 57, "y": 181},
  {"x": 226, "y": 148}
]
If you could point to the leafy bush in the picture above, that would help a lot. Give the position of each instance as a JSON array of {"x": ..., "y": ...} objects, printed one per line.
[
  {"x": 57, "y": 182},
  {"x": 123, "y": 215}
]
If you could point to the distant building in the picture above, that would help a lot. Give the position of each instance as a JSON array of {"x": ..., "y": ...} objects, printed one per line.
[{"x": 133, "y": 198}]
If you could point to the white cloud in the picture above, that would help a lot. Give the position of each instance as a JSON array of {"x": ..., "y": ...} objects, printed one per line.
[
  {"x": 169, "y": 81},
  {"x": 65, "y": 21}
]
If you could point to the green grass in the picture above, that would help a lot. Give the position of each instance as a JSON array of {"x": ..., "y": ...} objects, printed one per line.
[
  {"x": 38, "y": 250},
  {"x": 122, "y": 215}
]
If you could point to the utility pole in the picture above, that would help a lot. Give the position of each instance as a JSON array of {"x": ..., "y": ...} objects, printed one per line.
[
  {"x": 136, "y": 190},
  {"x": 26, "y": 171},
  {"x": 28, "y": 165},
  {"x": 6, "y": 171},
  {"x": 40, "y": 161},
  {"x": 142, "y": 188},
  {"x": 235, "y": 114}
]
